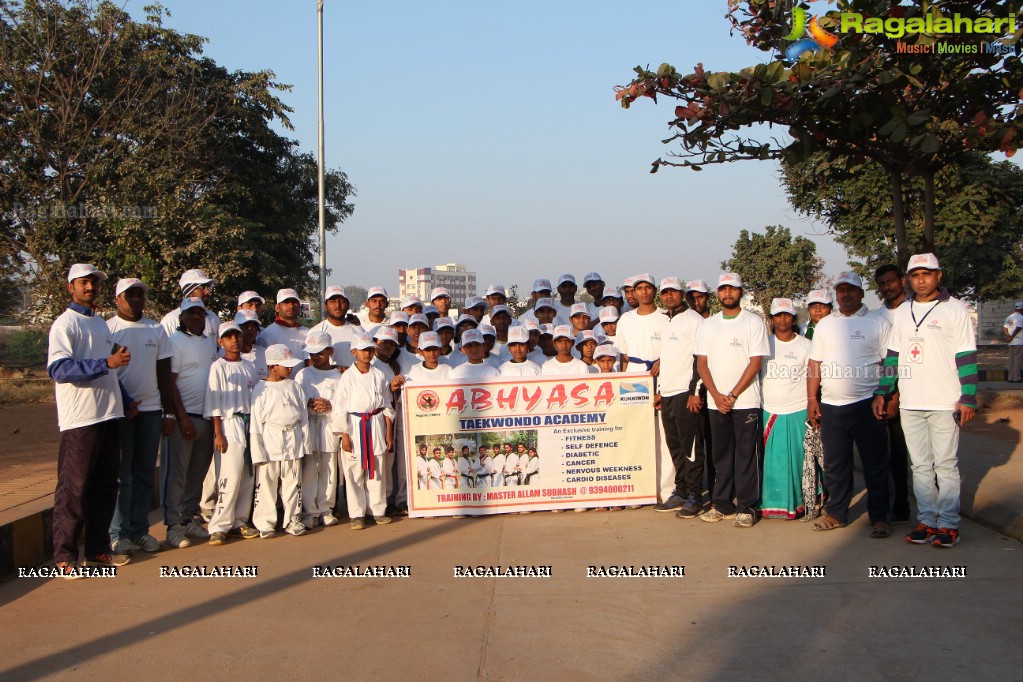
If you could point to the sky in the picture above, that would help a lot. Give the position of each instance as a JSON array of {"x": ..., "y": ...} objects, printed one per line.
[{"x": 488, "y": 133}]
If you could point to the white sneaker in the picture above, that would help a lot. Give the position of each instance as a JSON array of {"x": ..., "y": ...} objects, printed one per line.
[
  {"x": 330, "y": 520},
  {"x": 125, "y": 546},
  {"x": 744, "y": 521},
  {"x": 176, "y": 537},
  {"x": 147, "y": 543},
  {"x": 310, "y": 522},
  {"x": 267, "y": 534},
  {"x": 195, "y": 530},
  {"x": 712, "y": 515},
  {"x": 296, "y": 528}
]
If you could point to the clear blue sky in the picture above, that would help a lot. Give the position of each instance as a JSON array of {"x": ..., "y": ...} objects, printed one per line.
[{"x": 488, "y": 134}]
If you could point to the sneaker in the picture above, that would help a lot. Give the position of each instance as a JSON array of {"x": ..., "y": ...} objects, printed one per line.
[
  {"x": 690, "y": 508},
  {"x": 247, "y": 532},
  {"x": 358, "y": 524},
  {"x": 107, "y": 560},
  {"x": 218, "y": 538},
  {"x": 330, "y": 520},
  {"x": 712, "y": 515},
  {"x": 391, "y": 510},
  {"x": 125, "y": 546},
  {"x": 70, "y": 570},
  {"x": 403, "y": 509},
  {"x": 176, "y": 537},
  {"x": 744, "y": 520},
  {"x": 922, "y": 534},
  {"x": 296, "y": 528},
  {"x": 310, "y": 522},
  {"x": 557, "y": 511},
  {"x": 195, "y": 530},
  {"x": 580, "y": 510},
  {"x": 382, "y": 520},
  {"x": 946, "y": 537},
  {"x": 267, "y": 534},
  {"x": 673, "y": 503},
  {"x": 147, "y": 543}
]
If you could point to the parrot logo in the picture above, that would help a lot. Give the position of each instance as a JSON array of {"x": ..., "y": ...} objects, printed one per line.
[{"x": 815, "y": 39}]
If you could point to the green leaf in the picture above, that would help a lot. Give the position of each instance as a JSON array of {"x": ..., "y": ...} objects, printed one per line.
[
  {"x": 918, "y": 117},
  {"x": 931, "y": 144}
]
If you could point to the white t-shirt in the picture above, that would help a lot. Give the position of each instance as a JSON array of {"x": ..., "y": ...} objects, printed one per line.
[
  {"x": 172, "y": 320},
  {"x": 292, "y": 337},
  {"x": 257, "y": 356},
  {"x": 928, "y": 375},
  {"x": 677, "y": 339},
  {"x": 1011, "y": 323},
  {"x": 467, "y": 370},
  {"x": 537, "y": 357},
  {"x": 278, "y": 422},
  {"x": 341, "y": 338},
  {"x": 639, "y": 336},
  {"x": 886, "y": 312},
  {"x": 147, "y": 342},
  {"x": 554, "y": 367},
  {"x": 318, "y": 383},
  {"x": 728, "y": 345},
  {"x": 526, "y": 368},
  {"x": 82, "y": 337},
  {"x": 191, "y": 359},
  {"x": 421, "y": 375},
  {"x": 407, "y": 360},
  {"x": 367, "y": 325},
  {"x": 229, "y": 393},
  {"x": 783, "y": 374},
  {"x": 850, "y": 350}
]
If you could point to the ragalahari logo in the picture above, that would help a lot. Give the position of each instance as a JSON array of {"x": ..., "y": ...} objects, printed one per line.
[{"x": 815, "y": 37}]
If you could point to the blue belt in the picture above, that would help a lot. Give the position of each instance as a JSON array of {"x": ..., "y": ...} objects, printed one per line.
[{"x": 649, "y": 364}]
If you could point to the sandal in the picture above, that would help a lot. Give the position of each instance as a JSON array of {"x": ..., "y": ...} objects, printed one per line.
[
  {"x": 881, "y": 530},
  {"x": 828, "y": 523}
]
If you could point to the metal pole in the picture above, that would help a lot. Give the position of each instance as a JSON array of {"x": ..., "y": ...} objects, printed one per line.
[{"x": 322, "y": 198}]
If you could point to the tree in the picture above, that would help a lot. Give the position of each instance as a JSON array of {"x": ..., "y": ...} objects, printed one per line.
[
  {"x": 121, "y": 145},
  {"x": 978, "y": 218},
  {"x": 774, "y": 265},
  {"x": 865, "y": 98},
  {"x": 356, "y": 296}
]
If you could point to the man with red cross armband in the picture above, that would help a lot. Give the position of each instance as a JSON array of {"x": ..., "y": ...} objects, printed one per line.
[{"x": 932, "y": 363}]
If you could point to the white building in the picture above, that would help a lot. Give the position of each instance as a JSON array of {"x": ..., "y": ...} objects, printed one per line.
[{"x": 453, "y": 276}]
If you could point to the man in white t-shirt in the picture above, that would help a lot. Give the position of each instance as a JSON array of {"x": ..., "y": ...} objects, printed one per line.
[
  {"x": 197, "y": 284},
  {"x": 1012, "y": 330},
  {"x": 286, "y": 328},
  {"x": 933, "y": 347},
  {"x": 147, "y": 381},
  {"x": 375, "y": 314},
  {"x": 845, "y": 358},
  {"x": 339, "y": 325},
  {"x": 638, "y": 335},
  {"x": 89, "y": 408},
  {"x": 730, "y": 348},
  {"x": 676, "y": 386}
]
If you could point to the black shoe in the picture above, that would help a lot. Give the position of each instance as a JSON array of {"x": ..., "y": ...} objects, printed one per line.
[
  {"x": 691, "y": 508},
  {"x": 672, "y": 504}
]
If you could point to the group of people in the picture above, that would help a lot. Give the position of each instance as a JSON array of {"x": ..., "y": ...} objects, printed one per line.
[{"x": 255, "y": 418}]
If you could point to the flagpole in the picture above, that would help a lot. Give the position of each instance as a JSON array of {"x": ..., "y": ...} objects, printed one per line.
[{"x": 322, "y": 189}]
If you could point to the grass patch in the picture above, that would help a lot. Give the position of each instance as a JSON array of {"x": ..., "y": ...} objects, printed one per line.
[{"x": 25, "y": 388}]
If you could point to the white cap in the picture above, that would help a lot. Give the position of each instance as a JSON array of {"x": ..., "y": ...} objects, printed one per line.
[
  {"x": 671, "y": 283},
  {"x": 439, "y": 292},
  {"x": 605, "y": 350},
  {"x": 563, "y": 331},
  {"x": 849, "y": 278},
  {"x": 487, "y": 330},
  {"x": 544, "y": 303},
  {"x": 419, "y": 318},
  {"x": 245, "y": 317},
  {"x": 566, "y": 278},
  {"x": 542, "y": 285},
  {"x": 79, "y": 270},
  {"x": 333, "y": 291},
  {"x": 580, "y": 309},
  {"x": 193, "y": 277},
  {"x": 129, "y": 282},
  {"x": 729, "y": 279},
  {"x": 783, "y": 305},
  {"x": 410, "y": 301},
  {"x": 279, "y": 354},
  {"x": 518, "y": 335},
  {"x": 592, "y": 277},
  {"x": 471, "y": 336},
  {"x": 429, "y": 340},
  {"x": 316, "y": 341},
  {"x": 697, "y": 285},
  {"x": 442, "y": 322},
  {"x": 474, "y": 301},
  {"x": 361, "y": 342},
  {"x": 286, "y": 295},
  {"x": 385, "y": 333},
  {"x": 495, "y": 289},
  {"x": 547, "y": 329},
  {"x": 228, "y": 327},
  {"x": 629, "y": 282},
  {"x": 430, "y": 310},
  {"x": 608, "y": 314},
  {"x": 376, "y": 291},
  {"x": 611, "y": 292},
  {"x": 819, "y": 296},
  {"x": 466, "y": 317},
  {"x": 247, "y": 296},
  {"x": 645, "y": 277},
  {"x": 1019, "y": 305},
  {"x": 500, "y": 309},
  {"x": 926, "y": 261},
  {"x": 192, "y": 302},
  {"x": 397, "y": 317},
  {"x": 585, "y": 335},
  {"x": 529, "y": 324}
]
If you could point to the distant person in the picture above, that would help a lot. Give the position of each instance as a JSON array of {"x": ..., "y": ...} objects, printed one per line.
[
  {"x": 819, "y": 305},
  {"x": 319, "y": 461},
  {"x": 375, "y": 314},
  {"x": 338, "y": 324},
  {"x": 286, "y": 327},
  {"x": 1013, "y": 336},
  {"x": 194, "y": 284}
]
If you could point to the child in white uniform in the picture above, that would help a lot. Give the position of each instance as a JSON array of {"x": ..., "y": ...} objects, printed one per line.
[
  {"x": 518, "y": 347},
  {"x": 278, "y": 425},
  {"x": 475, "y": 367},
  {"x": 564, "y": 362},
  {"x": 319, "y": 461}
]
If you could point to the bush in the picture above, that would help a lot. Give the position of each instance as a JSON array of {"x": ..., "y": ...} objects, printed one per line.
[{"x": 23, "y": 348}]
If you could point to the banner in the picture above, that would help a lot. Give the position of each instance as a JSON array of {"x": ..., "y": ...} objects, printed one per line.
[{"x": 518, "y": 444}]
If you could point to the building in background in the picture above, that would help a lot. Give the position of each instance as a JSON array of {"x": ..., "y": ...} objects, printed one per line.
[{"x": 459, "y": 282}]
